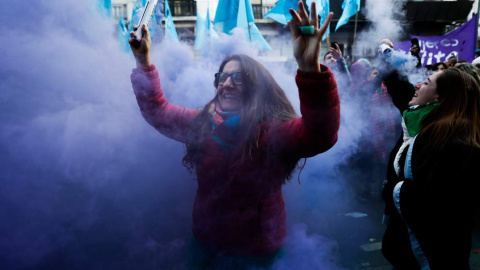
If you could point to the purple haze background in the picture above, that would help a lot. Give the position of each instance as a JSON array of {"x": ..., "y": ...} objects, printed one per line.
[{"x": 86, "y": 183}]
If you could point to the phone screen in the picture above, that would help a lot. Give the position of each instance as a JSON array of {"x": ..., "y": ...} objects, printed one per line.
[{"x": 333, "y": 45}]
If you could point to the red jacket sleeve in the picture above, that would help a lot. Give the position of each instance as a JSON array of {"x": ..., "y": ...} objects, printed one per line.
[
  {"x": 316, "y": 130},
  {"x": 172, "y": 121}
]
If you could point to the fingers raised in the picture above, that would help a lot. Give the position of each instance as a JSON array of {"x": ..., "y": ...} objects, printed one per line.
[
  {"x": 303, "y": 13},
  {"x": 313, "y": 14},
  {"x": 295, "y": 17},
  {"x": 145, "y": 32},
  {"x": 323, "y": 29}
]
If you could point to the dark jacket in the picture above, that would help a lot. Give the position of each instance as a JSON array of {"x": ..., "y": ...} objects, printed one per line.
[
  {"x": 239, "y": 208},
  {"x": 438, "y": 205}
]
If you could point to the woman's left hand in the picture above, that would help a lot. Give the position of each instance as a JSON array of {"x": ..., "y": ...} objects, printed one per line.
[{"x": 306, "y": 48}]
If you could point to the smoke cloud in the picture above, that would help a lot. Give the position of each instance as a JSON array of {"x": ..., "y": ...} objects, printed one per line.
[{"x": 88, "y": 184}]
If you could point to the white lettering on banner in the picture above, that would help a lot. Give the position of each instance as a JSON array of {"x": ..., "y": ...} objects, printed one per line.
[
  {"x": 429, "y": 61},
  {"x": 449, "y": 42},
  {"x": 431, "y": 44},
  {"x": 444, "y": 42},
  {"x": 439, "y": 56},
  {"x": 429, "y": 50}
]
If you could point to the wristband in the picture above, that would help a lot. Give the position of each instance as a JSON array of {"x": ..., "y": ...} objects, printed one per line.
[{"x": 306, "y": 30}]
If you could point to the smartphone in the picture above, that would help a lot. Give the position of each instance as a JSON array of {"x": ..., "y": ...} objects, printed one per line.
[
  {"x": 146, "y": 16},
  {"x": 415, "y": 42},
  {"x": 333, "y": 45}
]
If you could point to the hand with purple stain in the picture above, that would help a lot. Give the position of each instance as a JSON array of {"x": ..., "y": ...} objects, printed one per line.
[{"x": 141, "y": 49}]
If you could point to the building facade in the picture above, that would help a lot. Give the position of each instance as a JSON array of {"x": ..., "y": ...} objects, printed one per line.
[{"x": 424, "y": 18}]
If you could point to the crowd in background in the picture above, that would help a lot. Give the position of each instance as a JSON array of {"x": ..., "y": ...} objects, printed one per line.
[
  {"x": 362, "y": 90},
  {"x": 422, "y": 161}
]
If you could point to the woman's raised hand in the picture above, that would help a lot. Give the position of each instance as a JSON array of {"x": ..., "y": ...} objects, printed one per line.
[
  {"x": 306, "y": 47},
  {"x": 141, "y": 49}
]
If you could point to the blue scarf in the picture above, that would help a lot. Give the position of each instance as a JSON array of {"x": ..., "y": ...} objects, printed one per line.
[{"x": 230, "y": 118}]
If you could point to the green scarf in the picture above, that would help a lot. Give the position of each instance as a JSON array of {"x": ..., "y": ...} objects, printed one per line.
[{"x": 413, "y": 116}]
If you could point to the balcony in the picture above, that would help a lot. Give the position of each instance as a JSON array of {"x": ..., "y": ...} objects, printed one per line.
[
  {"x": 183, "y": 7},
  {"x": 260, "y": 10},
  {"x": 119, "y": 10}
]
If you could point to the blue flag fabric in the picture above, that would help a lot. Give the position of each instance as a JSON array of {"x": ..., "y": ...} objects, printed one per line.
[
  {"x": 323, "y": 8},
  {"x": 105, "y": 7},
  {"x": 280, "y": 12},
  {"x": 256, "y": 37},
  {"x": 350, "y": 7},
  {"x": 155, "y": 25},
  {"x": 204, "y": 31},
  {"x": 170, "y": 31},
  {"x": 239, "y": 13},
  {"x": 123, "y": 35},
  {"x": 227, "y": 15}
]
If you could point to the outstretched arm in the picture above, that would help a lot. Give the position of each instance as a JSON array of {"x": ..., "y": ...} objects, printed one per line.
[
  {"x": 398, "y": 86},
  {"x": 316, "y": 131},
  {"x": 172, "y": 121},
  {"x": 306, "y": 48},
  {"x": 341, "y": 65}
]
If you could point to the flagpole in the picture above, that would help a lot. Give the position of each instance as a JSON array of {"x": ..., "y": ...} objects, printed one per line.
[
  {"x": 354, "y": 37},
  {"x": 328, "y": 36},
  {"x": 248, "y": 23}
]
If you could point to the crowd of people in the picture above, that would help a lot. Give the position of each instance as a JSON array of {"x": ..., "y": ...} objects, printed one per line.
[
  {"x": 418, "y": 149},
  {"x": 363, "y": 90}
]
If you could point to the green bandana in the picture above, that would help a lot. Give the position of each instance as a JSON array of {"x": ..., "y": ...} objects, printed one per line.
[{"x": 413, "y": 116}]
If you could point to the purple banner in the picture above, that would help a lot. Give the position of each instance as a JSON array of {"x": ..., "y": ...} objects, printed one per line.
[{"x": 437, "y": 49}]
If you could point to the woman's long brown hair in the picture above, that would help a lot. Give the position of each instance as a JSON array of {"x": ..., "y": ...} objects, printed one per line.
[
  {"x": 263, "y": 100},
  {"x": 458, "y": 114}
]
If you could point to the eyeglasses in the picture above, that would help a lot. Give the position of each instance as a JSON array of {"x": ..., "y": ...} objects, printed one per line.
[{"x": 221, "y": 78}]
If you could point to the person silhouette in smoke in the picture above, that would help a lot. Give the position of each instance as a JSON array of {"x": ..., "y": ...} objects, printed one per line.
[
  {"x": 335, "y": 61},
  {"x": 244, "y": 144}
]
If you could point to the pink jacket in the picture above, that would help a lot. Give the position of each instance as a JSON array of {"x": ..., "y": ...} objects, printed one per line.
[{"x": 239, "y": 208}]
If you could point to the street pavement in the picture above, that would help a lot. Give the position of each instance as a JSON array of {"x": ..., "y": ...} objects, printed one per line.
[{"x": 361, "y": 248}]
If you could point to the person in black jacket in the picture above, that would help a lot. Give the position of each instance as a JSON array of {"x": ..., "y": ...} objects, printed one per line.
[{"x": 432, "y": 176}]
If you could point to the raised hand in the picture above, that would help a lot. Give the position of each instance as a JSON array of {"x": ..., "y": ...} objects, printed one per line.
[
  {"x": 306, "y": 48},
  {"x": 387, "y": 41},
  {"x": 141, "y": 49},
  {"x": 336, "y": 52}
]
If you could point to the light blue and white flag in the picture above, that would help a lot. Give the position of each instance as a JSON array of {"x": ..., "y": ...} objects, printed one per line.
[
  {"x": 155, "y": 25},
  {"x": 105, "y": 7},
  {"x": 239, "y": 13},
  {"x": 123, "y": 35},
  {"x": 323, "y": 8},
  {"x": 280, "y": 12},
  {"x": 170, "y": 31},
  {"x": 204, "y": 30},
  {"x": 350, "y": 7}
]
